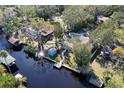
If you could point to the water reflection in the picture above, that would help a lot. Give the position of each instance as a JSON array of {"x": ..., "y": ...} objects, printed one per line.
[{"x": 42, "y": 73}]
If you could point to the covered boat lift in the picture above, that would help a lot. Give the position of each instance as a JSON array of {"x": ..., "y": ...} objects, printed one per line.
[
  {"x": 13, "y": 41},
  {"x": 10, "y": 62}
]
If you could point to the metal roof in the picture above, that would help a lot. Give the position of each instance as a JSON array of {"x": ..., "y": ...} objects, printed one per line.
[
  {"x": 8, "y": 60},
  {"x": 13, "y": 40}
]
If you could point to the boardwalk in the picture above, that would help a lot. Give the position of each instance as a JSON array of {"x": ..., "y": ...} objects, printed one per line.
[{"x": 72, "y": 69}]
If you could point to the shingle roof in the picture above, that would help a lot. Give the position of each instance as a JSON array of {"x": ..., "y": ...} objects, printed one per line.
[{"x": 46, "y": 32}]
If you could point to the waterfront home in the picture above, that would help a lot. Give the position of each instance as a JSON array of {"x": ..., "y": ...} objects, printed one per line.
[{"x": 46, "y": 33}]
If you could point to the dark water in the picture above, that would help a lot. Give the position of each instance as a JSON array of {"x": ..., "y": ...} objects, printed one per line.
[{"x": 44, "y": 75}]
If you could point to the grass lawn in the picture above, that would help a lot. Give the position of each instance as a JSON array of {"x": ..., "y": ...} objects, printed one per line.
[
  {"x": 98, "y": 70},
  {"x": 57, "y": 57},
  {"x": 117, "y": 81},
  {"x": 70, "y": 61}
]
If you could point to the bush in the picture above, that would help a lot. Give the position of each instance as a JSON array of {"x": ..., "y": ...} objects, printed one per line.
[
  {"x": 104, "y": 10},
  {"x": 77, "y": 17},
  {"x": 2, "y": 69},
  {"x": 8, "y": 81},
  {"x": 32, "y": 49},
  {"x": 82, "y": 55},
  {"x": 119, "y": 52},
  {"x": 113, "y": 80}
]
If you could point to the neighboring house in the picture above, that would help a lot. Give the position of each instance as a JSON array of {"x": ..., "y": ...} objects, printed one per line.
[
  {"x": 30, "y": 32},
  {"x": 46, "y": 33}
]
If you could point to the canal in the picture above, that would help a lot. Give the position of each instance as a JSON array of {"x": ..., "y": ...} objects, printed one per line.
[{"x": 44, "y": 75}]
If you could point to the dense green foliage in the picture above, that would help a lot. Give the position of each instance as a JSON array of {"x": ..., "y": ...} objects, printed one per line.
[
  {"x": 12, "y": 25},
  {"x": 58, "y": 32},
  {"x": 29, "y": 11},
  {"x": 3, "y": 54},
  {"x": 1, "y": 16},
  {"x": 49, "y": 11},
  {"x": 112, "y": 79},
  {"x": 102, "y": 32},
  {"x": 76, "y": 17},
  {"x": 82, "y": 55},
  {"x": 8, "y": 81},
  {"x": 104, "y": 10}
]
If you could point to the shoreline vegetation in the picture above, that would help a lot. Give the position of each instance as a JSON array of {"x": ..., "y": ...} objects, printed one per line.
[{"x": 78, "y": 30}]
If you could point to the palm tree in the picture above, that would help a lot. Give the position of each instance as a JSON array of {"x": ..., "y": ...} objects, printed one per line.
[{"x": 4, "y": 54}]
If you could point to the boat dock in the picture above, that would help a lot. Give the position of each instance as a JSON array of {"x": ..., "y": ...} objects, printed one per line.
[
  {"x": 59, "y": 66},
  {"x": 49, "y": 59},
  {"x": 70, "y": 68}
]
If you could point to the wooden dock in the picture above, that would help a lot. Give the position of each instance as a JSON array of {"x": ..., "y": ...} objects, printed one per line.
[
  {"x": 72, "y": 69},
  {"x": 49, "y": 59},
  {"x": 59, "y": 66}
]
